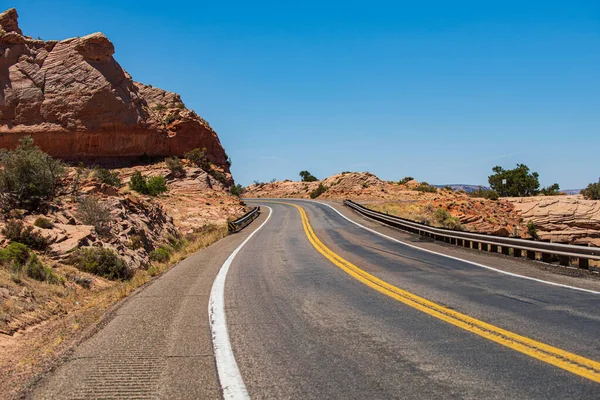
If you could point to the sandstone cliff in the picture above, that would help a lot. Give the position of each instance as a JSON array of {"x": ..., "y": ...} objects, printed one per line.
[{"x": 78, "y": 103}]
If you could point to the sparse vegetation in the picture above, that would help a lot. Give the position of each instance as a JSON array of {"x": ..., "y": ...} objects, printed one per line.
[
  {"x": 485, "y": 194},
  {"x": 307, "y": 176},
  {"x": 20, "y": 259},
  {"x": 532, "y": 230},
  {"x": 28, "y": 176},
  {"x": 318, "y": 191},
  {"x": 160, "y": 107},
  {"x": 237, "y": 190},
  {"x": 446, "y": 220},
  {"x": 519, "y": 181},
  {"x": 405, "y": 180},
  {"x": 92, "y": 212},
  {"x": 426, "y": 187},
  {"x": 107, "y": 177},
  {"x": 552, "y": 190},
  {"x": 101, "y": 261},
  {"x": 169, "y": 118},
  {"x": 198, "y": 157},
  {"x": 176, "y": 167},
  {"x": 44, "y": 223},
  {"x": 161, "y": 254},
  {"x": 592, "y": 191},
  {"x": 152, "y": 186},
  {"x": 16, "y": 231}
]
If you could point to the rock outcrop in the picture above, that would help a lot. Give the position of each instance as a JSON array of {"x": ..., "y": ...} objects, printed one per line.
[
  {"x": 79, "y": 104},
  {"x": 564, "y": 219}
]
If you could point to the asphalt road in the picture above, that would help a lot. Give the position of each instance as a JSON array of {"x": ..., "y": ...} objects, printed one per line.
[{"x": 300, "y": 327}]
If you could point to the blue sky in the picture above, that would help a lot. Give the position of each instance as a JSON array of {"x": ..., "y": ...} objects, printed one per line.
[{"x": 438, "y": 90}]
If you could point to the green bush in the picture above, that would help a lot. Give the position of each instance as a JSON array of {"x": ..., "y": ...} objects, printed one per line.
[
  {"x": 426, "y": 187},
  {"x": 519, "y": 182},
  {"x": 156, "y": 185},
  {"x": 592, "y": 191},
  {"x": 532, "y": 230},
  {"x": 16, "y": 231},
  {"x": 176, "y": 167},
  {"x": 161, "y": 254},
  {"x": 446, "y": 220},
  {"x": 21, "y": 259},
  {"x": 43, "y": 223},
  {"x": 92, "y": 212},
  {"x": 405, "y": 180},
  {"x": 307, "y": 176},
  {"x": 101, "y": 261},
  {"x": 552, "y": 190},
  {"x": 151, "y": 186},
  {"x": 485, "y": 194},
  {"x": 28, "y": 176},
  {"x": 107, "y": 177},
  {"x": 198, "y": 157},
  {"x": 237, "y": 190},
  {"x": 160, "y": 107},
  {"x": 318, "y": 191}
]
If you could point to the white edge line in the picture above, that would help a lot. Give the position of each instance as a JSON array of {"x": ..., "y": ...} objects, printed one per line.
[
  {"x": 231, "y": 381},
  {"x": 458, "y": 259}
]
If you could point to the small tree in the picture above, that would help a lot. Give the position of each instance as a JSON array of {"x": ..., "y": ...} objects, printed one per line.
[
  {"x": 29, "y": 176},
  {"x": 176, "y": 167},
  {"x": 198, "y": 157},
  {"x": 107, "y": 177},
  {"x": 552, "y": 190},
  {"x": 237, "y": 190},
  {"x": 318, "y": 191},
  {"x": 592, "y": 192},
  {"x": 406, "y": 179},
  {"x": 519, "y": 181},
  {"x": 307, "y": 176}
]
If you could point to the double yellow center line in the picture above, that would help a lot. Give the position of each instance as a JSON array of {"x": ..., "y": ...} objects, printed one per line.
[{"x": 574, "y": 363}]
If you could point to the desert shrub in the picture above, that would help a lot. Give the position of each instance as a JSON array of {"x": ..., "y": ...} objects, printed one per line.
[
  {"x": 219, "y": 176},
  {"x": 161, "y": 254},
  {"x": 592, "y": 191},
  {"x": 448, "y": 188},
  {"x": 156, "y": 185},
  {"x": 198, "y": 157},
  {"x": 485, "y": 194},
  {"x": 16, "y": 231},
  {"x": 21, "y": 259},
  {"x": 318, "y": 191},
  {"x": 108, "y": 177},
  {"x": 175, "y": 242},
  {"x": 405, "y": 180},
  {"x": 28, "y": 176},
  {"x": 44, "y": 223},
  {"x": 92, "y": 212},
  {"x": 160, "y": 107},
  {"x": 101, "y": 261},
  {"x": 168, "y": 119},
  {"x": 446, "y": 220},
  {"x": 135, "y": 242},
  {"x": 426, "y": 187},
  {"x": 307, "y": 176},
  {"x": 176, "y": 167},
  {"x": 237, "y": 190},
  {"x": 552, "y": 190},
  {"x": 532, "y": 230},
  {"x": 180, "y": 106},
  {"x": 151, "y": 186}
]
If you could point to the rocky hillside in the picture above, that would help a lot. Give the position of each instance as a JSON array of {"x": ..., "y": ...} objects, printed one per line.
[{"x": 78, "y": 103}]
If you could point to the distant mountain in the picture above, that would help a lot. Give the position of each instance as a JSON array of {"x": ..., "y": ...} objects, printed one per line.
[
  {"x": 466, "y": 188},
  {"x": 571, "y": 191}
]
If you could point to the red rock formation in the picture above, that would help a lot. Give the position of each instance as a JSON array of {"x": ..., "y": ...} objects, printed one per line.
[{"x": 79, "y": 104}]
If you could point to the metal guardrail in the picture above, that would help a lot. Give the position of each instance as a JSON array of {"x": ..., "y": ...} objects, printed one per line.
[
  {"x": 490, "y": 243},
  {"x": 241, "y": 223}
]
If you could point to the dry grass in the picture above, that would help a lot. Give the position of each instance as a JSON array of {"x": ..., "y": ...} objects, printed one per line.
[
  {"x": 417, "y": 212},
  {"x": 41, "y": 321}
]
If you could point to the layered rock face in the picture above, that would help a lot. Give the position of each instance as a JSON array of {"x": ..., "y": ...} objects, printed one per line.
[
  {"x": 565, "y": 219},
  {"x": 79, "y": 104}
]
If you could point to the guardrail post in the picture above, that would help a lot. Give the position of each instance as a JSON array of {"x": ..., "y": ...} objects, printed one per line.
[
  {"x": 517, "y": 253},
  {"x": 565, "y": 261},
  {"x": 584, "y": 263},
  {"x": 506, "y": 250},
  {"x": 531, "y": 254}
]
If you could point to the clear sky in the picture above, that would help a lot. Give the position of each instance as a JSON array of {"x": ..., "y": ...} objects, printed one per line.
[{"x": 439, "y": 90}]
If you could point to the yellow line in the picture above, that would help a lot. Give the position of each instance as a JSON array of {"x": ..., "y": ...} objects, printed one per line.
[{"x": 574, "y": 363}]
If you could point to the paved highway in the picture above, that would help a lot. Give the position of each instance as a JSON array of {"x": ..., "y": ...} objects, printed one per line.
[{"x": 314, "y": 306}]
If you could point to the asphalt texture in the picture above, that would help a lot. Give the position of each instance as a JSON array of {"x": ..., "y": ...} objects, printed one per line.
[{"x": 301, "y": 328}]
